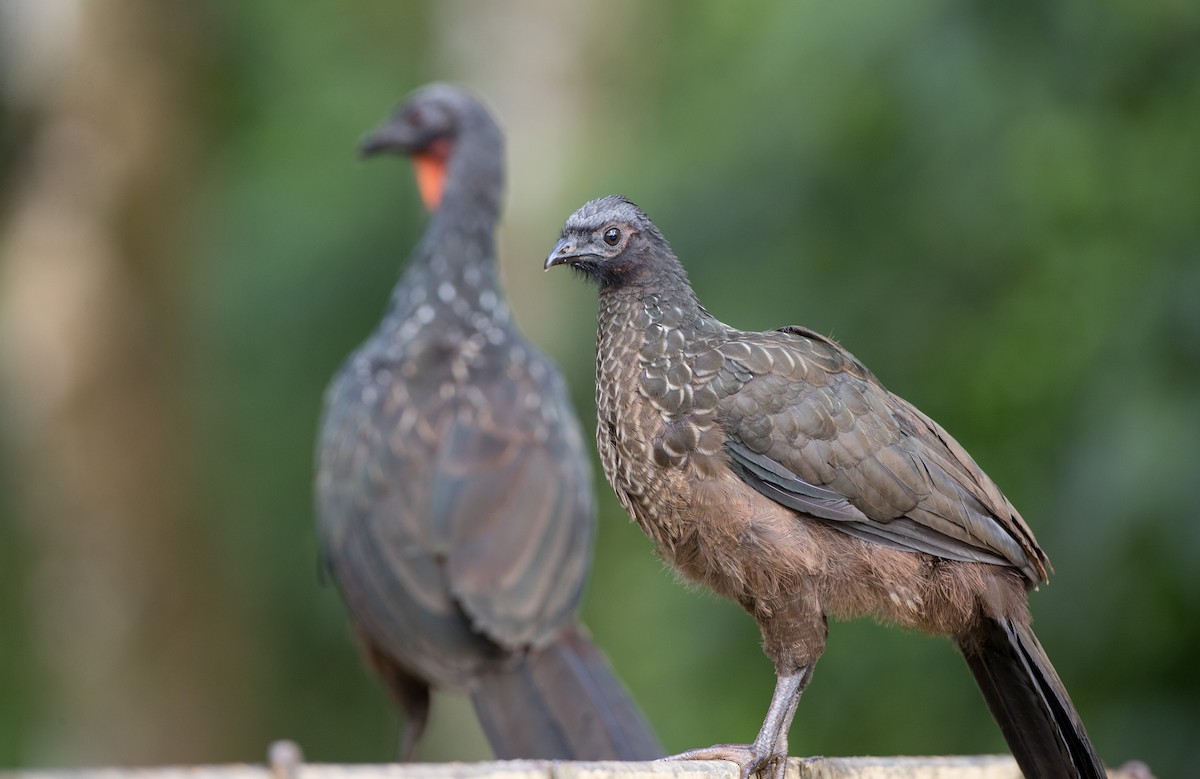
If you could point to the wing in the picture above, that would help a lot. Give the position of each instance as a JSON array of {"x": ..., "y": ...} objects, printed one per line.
[
  {"x": 456, "y": 516},
  {"x": 377, "y": 438},
  {"x": 513, "y": 492},
  {"x": 808, "y": 426}
]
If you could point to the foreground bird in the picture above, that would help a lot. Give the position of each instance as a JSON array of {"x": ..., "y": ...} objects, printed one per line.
[
  {"x": 455, "y": 504},
  {"x": 777, "y": 470}
]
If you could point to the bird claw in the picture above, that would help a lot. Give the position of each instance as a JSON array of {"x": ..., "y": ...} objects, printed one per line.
[{"x": 751, "y": 758}]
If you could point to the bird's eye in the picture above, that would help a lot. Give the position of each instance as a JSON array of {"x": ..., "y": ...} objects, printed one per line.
[{"x": 612, "y": 236}]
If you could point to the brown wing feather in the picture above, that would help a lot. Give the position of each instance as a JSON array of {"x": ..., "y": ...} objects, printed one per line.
[{"x": 799, "y": 400}]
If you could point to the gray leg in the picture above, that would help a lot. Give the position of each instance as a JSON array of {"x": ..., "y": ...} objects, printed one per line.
[{"x": 769, "y": 750}]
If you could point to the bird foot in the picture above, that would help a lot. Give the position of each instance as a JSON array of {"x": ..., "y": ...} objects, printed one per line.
[{"x": 751, "y": 758}]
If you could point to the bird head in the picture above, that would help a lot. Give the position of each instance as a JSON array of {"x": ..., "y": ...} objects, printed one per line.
[
  {"x": 426, "y": 127},
  {"x": 611, "y": 241}
]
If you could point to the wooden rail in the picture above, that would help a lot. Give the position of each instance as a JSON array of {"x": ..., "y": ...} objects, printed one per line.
[{"x": 285, "y": 763}]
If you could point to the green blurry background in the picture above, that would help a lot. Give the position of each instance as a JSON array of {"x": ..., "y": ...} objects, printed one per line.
[{"x": 995, "y": 205}]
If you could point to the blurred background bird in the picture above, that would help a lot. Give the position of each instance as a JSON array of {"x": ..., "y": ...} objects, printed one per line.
[
  {"x": 454, "y": 495},
  {"x": 188, "y": 252}
]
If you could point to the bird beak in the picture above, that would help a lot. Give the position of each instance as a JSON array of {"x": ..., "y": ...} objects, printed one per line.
[
  {"x": 373, "y": 144},
  {"x": 384, "y": 139},
  {"x": 562, "y": 254}
]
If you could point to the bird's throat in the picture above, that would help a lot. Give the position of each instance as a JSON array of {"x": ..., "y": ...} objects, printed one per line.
[{"x": 430, "y": 167}]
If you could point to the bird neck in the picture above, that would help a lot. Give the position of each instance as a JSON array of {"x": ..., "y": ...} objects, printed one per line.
[
  {"x": 454, "y": 265},
  {"x": 461, "y": 254},
  {"x": 658, "y": 292},
  {"x": 452, "y": 275},
  {"x": 474, "y": 177},
  {"x": 451, "y": 283}
]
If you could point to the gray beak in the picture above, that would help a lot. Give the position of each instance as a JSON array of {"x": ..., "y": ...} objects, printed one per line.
[
  {"x": 387, "y": 138},
  {"x": 563, "y": 253}
]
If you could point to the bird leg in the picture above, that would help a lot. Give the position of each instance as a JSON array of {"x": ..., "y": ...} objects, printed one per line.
[{"x": 769, "y": 750}]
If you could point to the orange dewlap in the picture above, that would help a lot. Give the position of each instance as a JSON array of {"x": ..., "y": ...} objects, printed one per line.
[{"x": 431, "y": 173}]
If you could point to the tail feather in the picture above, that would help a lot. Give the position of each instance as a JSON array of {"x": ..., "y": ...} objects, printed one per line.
[
  {"x": 562, "y": 702},
  {"x": 1029, "y": 702}
]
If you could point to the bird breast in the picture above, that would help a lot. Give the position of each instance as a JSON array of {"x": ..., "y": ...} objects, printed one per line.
[{"x": 656, "y": 416}]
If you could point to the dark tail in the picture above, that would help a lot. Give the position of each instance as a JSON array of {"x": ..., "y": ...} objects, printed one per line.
[
  {"x": 562, "y": 702},
  {"x": 1032, "y": 707}
]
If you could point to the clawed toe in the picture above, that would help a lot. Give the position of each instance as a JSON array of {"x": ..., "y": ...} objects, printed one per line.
[
  {"x": 769, "y": 765},
  {"x": 734, "y": 753}
]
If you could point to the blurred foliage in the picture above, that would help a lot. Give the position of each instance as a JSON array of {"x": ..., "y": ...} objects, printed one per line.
[{"x": 995, "y": 206}]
